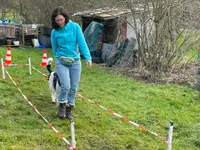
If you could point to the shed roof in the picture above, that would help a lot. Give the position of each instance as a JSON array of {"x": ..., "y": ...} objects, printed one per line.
[{"x": 103, "y": 13}]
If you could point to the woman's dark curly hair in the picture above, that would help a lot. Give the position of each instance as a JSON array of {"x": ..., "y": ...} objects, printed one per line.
[{"x": 58, "y": 11}]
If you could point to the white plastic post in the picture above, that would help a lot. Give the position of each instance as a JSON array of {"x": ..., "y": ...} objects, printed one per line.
[
  {"x": 169, "y": 146},
  {"x": 2, "y": 67},
  {"x": 73, "y": 134},
  {"x": 29, "y": 65}
]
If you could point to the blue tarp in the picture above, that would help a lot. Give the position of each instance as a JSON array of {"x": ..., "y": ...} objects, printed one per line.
[{"x": 92, "y": 35}]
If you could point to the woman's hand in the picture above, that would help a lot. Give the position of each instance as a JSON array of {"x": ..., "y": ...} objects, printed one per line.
[{"x": 89, "y": 63}]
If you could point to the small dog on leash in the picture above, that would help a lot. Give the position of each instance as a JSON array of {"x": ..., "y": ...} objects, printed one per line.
[{"x": 54, "y": 83}]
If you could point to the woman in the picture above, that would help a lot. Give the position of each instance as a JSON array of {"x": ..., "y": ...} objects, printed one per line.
[{"x": 66, "y": 37}]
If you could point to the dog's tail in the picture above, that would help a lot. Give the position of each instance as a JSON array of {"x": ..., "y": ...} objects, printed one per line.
[{"x": 49, "y": 61}]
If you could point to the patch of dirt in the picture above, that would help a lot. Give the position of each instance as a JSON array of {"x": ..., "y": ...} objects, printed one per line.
[
  {"x": 180, "y": 74},
  {"x": 184, "y": 75}
]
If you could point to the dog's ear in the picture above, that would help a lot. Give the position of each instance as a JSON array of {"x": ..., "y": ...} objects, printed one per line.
[{"x": 49, "y": 61}]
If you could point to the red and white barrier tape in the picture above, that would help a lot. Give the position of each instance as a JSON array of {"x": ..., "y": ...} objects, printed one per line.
[
  {"x": 13, "y": 65},
  {"x": 119, "y": 116},
  {"x": 35, "y": 109},
  {"x": 39, "y": 72},
  {"x": 71, "y": 122},
  {"x": 124, "y": 118}
]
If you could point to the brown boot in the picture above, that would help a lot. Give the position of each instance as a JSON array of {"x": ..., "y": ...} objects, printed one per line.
[
  {"x": 69, "y": 111},
  {"x": 61, "y": 110}
]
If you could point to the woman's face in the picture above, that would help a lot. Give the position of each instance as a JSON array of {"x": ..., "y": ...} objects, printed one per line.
[{"x": 60, "y": 20}]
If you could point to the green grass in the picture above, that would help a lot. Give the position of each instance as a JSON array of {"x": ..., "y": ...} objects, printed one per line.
[{"x": 150, "y": 105}]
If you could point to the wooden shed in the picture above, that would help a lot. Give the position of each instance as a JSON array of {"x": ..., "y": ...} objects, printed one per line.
[
  {"x": 115, "y": 21},
  {"x": 114, "y": 28}
]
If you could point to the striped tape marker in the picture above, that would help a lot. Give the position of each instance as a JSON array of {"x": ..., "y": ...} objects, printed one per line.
[
  {"x": 119, "y": 116},
  {"x": 13, "y": 65},
  {"x": 35, "y": 109},
  {"x": 123, "y": 118},
  {"x": 71, "y": 122},
  {"x": 39, "y": 71}
]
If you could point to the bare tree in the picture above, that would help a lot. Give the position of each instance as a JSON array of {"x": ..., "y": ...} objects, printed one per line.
[{"x": 165, "y": 31}]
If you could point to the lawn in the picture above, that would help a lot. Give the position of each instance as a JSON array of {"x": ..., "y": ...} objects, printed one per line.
[{"x": 149, "y": 105}]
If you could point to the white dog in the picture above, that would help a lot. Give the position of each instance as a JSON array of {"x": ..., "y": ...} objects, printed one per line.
[{"x": 53, "y": 82}]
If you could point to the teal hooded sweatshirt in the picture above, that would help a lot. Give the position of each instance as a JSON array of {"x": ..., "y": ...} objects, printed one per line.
[{"x": 69, "y": 41}]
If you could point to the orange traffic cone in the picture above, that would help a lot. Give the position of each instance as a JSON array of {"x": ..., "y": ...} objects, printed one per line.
[
  {"x": 8, "y": 60},
  {"x": 44, "y": 59}
]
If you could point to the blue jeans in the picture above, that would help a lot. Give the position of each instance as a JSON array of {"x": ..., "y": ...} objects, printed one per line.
[{"x": 69, "y": 77}]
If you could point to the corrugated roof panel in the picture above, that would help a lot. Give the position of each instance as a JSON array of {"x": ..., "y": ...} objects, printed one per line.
[{"x": 104, "y": 13}]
